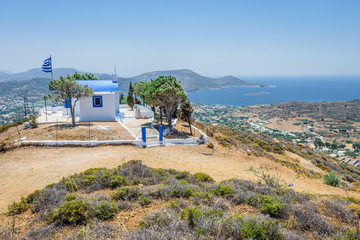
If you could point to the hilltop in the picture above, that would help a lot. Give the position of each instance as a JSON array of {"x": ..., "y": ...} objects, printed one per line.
[{"x": 262, "y": 167}]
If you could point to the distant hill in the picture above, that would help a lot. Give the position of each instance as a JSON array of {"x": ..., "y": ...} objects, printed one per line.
[
  {"x": 4, "y": 74},
  {"x": 37, "y": 73},
  {"x": 189, "y": 79},
  {"x": 192, "y": 81}
]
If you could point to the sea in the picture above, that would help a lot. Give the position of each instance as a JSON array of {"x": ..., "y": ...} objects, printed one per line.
[{"x": 283, "y": 89}]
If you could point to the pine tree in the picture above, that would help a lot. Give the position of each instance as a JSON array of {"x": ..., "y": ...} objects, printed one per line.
[
  {"x": 130, "y": 98},
  {"x": 186, "y": 112}
]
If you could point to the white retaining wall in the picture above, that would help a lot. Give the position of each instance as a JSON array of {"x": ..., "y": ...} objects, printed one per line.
[{"x": 65, "y": 143}]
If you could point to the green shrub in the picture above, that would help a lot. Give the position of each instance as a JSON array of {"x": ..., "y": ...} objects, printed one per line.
[
  {"x": 144, "y": 201},
  {"x": 18, "y": 207},
  {"x": 33, "y": 120},
  {"x": 105, "y": 210},
  {"x": 353, "y": 234},
  {"x": 92, "y": 171},
  {"x": 126, "y": 193},
  {"x": 271, "y": 206},
  {"x": 118, "y": 181},
  {"x": 70, "y": 196},
  {"x": 252, "y": 200},
  {"x": 203, "y": 177},
  {"x": 191, "y": 215},
  {"x": 183, "y": 181},
  {"x": 89, "y": 179},
  {"x": 254, "y": 229},
  {"x": 188, "y": 193},
  {"x": 182, "y": 175},
  {"x": 174, "y": 203},
  {"x": 72, "y": 212},
  {"x": 31, "y": 197},
  {"x": 224, "y": 190},
  {"x": 331, "y": 179},
  {"x": 71, "y": 186},
  {"x": 175, "y": 193}
]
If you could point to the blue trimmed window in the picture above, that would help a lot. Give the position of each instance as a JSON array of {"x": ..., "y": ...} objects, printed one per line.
[{"x": 97, "y": 101}]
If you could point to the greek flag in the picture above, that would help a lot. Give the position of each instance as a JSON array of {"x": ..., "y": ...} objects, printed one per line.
[{"x": 46, "y": 67}]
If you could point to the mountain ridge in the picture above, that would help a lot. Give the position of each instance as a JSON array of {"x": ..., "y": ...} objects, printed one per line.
[{"x": 190, "y": 80}]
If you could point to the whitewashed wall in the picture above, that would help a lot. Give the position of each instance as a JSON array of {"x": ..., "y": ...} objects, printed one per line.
[{"x": 105, "y": 113}]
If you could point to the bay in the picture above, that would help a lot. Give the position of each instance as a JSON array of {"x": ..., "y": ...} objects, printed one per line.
[{"x": 284, "y": 89}]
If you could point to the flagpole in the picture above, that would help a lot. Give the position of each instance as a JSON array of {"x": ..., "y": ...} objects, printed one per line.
[{"x": 52, "y": 78}]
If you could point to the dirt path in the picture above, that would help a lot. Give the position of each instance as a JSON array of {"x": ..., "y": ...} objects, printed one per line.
[{"x": 24, "y": 170}]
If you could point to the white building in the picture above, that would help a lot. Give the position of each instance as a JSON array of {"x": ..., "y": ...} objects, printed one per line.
[{"x": 104, "y": 105}]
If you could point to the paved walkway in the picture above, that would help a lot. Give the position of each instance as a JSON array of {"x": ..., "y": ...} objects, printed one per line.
[
  {"x": 49, "y": 117},
  {"x": 135, "y": 125}
]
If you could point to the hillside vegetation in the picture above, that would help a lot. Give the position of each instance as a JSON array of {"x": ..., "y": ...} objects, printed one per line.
[
  {"x": 134, "y": 201},
  {"x": 263, "y": 145}
]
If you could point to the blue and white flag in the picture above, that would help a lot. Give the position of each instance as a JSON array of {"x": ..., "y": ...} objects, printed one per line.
[{"x": 46, "y": 67}]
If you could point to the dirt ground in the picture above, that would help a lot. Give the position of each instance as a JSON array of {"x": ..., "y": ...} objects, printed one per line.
[
  {"x": 24, "y": 170},
  {"x": 283, "y": 125},
  {"x": 64, "y": 131},
  {"x": 182, "y": 130}
]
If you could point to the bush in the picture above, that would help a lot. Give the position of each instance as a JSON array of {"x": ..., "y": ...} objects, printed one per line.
[
  {"x": 188, "y": 193},
  {"x": 182, "y": 175},
  {"x": 191, "y": 215},
  {"x": 72, "y": 212},
  {"x": 126, "y": 193},
  {"x": 271, "y": 206},
  {"x": 353, "y": 234},
  {"x": 203, "y": 177},
  {"x": 71, "y": 186},
  {"x": 118, "y": 181},
  {"x": 70, "y": 196},
  {"x": 224, "y": 190},
  {"x": 254, "y": 229},
  {"x": 33, "y": 120},
  {"x": 105, "y": 210},
  {"x": 31, "y": 197},
  {"x": 18, "y": 207},
  {"x": 174, "y": 204},
  {"x": 144, "y": 201},
  {"x": 158, "y": 219},
  {"x": 331, "y": 179}
]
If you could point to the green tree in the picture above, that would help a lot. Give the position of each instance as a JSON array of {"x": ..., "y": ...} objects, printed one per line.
[
  {"x": 166, "y": 92},
  {"x": 86, "y": 76},
  {"x": 318, "y": 142},
  {"x": 140, "y": 91},
  {"x": 121, "y": 97},
  {"x": 130, "y": 97},
  {"x": 186, "y": 111},
  {"x": 68, "y": 88}
]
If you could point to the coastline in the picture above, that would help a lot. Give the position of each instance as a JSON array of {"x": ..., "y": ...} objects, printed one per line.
[{"x": 225, "y": 87}]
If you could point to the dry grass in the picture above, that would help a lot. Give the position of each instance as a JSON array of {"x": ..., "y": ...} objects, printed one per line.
[{"x": 64, "y": 131}]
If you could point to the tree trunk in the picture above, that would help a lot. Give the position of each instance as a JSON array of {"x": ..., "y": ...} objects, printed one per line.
[
  {"x": 161, "y": 116},
  {"x": 72, "y": 111},
  {"x": 168, "y": 116},
  {"x": 190, "y": 126}
]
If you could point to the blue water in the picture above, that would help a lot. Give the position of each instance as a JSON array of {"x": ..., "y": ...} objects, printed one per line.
[{"x": 312, "y": 89}]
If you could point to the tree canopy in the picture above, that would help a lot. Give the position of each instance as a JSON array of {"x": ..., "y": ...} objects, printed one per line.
[
  {"x": 130, "y": 98},
  {"x": 86, "y": 76},
  {"x": 165, "y": 92},
  {"x": 66, "y": 88},
  {"x": 186, "y": 111}
]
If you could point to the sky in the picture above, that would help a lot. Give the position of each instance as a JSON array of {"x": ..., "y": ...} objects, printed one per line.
[{"x": 210, "y": 37}]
